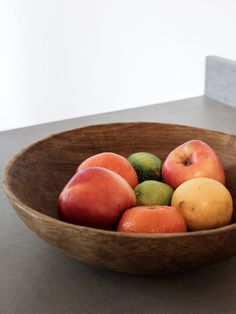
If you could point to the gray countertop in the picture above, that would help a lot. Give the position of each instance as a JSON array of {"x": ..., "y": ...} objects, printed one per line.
[{"x": 36, "y": 278}]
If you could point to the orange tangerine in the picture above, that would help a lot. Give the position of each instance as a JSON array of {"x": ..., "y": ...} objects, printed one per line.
[{"x": 152, "y": 219}]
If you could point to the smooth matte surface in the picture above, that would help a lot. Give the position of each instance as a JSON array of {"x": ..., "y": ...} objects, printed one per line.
[
  {"x": 36, "y": 278},
  {"x": 220, "y": 80}
]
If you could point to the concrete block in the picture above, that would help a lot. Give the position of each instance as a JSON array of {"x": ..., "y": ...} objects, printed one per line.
[{"x": 220, "y": 80}]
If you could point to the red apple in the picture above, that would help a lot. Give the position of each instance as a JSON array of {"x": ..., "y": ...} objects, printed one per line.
[
  {"x": 95, "y": 197},
  {"x": 190, "y": 160}
]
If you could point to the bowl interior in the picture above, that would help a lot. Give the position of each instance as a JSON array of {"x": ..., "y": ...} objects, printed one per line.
[{"x": 37, "y": 175}]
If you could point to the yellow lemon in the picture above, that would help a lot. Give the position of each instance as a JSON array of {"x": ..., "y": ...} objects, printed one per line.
[{"x": 205, "y": 203}]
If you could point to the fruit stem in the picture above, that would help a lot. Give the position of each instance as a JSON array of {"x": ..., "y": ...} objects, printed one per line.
[{"x": 187, "y": 162}]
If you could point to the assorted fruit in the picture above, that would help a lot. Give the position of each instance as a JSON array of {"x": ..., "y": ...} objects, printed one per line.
[{"x": 184, "y": 192}]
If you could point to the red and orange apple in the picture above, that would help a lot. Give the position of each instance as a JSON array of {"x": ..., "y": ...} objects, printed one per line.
[
  {"x": 192, "y": 159},
  {"x": 95, "y": 197}
]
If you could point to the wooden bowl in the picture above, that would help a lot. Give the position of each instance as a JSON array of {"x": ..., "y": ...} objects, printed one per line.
[{"x": 34, "y": 178}]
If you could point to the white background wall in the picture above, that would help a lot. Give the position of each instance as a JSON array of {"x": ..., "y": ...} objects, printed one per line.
[{"x": 66, "y": 58}]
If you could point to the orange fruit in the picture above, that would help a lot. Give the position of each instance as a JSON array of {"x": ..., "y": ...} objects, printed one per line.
[
  {"x": 152, "y": 219},
  {"x": 114, "y": 162}
]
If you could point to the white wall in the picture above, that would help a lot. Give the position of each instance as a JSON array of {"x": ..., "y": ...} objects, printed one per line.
[{"x": 68, "y": 58}]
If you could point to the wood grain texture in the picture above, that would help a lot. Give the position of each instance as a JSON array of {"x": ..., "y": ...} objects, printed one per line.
[{"x": 34, "y": 178}]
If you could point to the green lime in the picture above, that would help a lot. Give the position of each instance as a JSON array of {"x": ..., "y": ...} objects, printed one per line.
[
  {"x": 147, "y": 166},
  {"x": 152, "y": 192}
]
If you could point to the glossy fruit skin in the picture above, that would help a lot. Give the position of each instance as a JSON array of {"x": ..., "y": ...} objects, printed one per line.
[
  {"x": 205, "y": 203},
  {"x": 95, "y": 197},
  {"x": 114, "y": 162},
  {"x": 151, "y": 192},
  {"x": 152, "y": 219},
  {"x": 147, "y": 165},
  {"x": 192, "y": 159}
]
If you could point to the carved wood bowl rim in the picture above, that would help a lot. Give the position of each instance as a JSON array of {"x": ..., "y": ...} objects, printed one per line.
[{"x": 47, "y": 218}]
